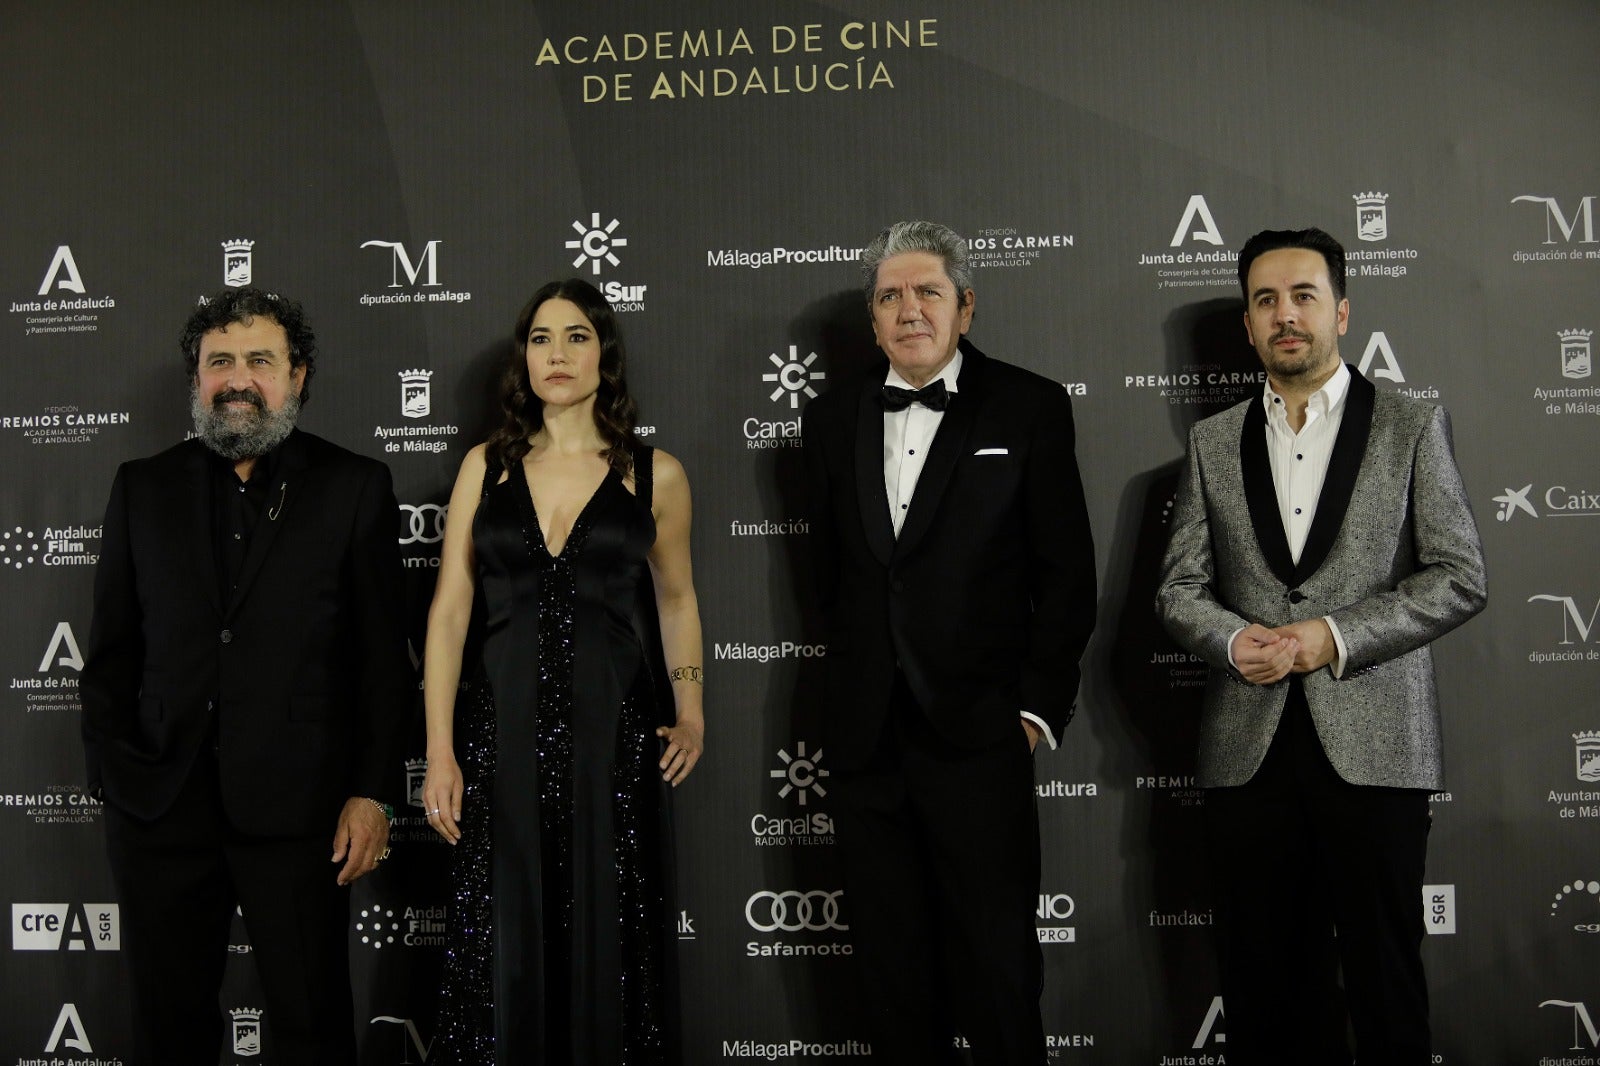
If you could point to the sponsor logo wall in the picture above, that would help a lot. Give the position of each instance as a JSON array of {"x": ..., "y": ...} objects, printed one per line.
[{"x": 716, "y": 170}]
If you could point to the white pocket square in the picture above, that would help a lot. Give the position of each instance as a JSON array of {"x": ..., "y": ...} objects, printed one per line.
[{"x": 992, "y": 451}]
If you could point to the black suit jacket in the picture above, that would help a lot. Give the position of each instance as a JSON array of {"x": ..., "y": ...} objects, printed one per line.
[
  {"x": 987, "y": 598},
  {"x": 304, "y": 672}
]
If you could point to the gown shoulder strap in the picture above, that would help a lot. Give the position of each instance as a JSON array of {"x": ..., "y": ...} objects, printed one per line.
[{"x": 643, "y": 472}]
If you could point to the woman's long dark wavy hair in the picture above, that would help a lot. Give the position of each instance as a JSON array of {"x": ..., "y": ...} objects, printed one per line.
[{"x": 615, "y": 413}]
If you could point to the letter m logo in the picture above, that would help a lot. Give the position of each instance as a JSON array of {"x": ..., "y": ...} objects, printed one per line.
[
  {"x": 1582, "y": 625},
  {"x": 1582, "y": 1024},
  {"x": 1556, "y": 221},
  {"x": 402, "y": 263}
]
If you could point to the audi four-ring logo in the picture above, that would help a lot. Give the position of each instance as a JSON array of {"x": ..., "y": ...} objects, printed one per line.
[
  {"x": 790, "y": 912},
  {"x": 423, "y": 522}
]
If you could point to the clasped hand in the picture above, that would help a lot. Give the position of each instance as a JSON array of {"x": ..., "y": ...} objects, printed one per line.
[{"x": 1264, "y": 656}]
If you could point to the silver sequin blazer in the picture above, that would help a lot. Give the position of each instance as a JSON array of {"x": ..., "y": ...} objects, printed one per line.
[{"x": 1393, "y": 555}]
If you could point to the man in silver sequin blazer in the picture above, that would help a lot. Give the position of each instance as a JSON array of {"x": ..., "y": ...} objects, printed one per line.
[{"x": 1321, "y": 539}]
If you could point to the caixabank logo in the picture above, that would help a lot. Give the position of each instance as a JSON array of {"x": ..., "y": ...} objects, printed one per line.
[{"x": 65, "y": 927}]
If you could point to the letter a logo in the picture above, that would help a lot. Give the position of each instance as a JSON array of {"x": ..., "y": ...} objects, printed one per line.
[
  {"x": 79, "y": 1040},
  {"x": 63, "y": 273},
  {"x": 1209, "y": 1025},
  {"x": 1197, "y": 209},
  {"x": 64, "y": 645},
  {"x": 1390, "y": 370}
]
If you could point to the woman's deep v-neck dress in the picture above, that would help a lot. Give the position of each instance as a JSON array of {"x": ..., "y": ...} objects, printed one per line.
[{"x": 559, "y": 937}]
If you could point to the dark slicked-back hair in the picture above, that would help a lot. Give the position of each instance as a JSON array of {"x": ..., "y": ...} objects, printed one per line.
[
  {"x": 223, "y": 309},
  {"x": 1270, "y": 240},
  {"x": 615, "y": 412}
]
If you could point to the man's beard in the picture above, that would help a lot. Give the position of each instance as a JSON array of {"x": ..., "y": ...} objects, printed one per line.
[
  {"x": 1317, "y": 357},
  {"x": 241, "y": 434}
]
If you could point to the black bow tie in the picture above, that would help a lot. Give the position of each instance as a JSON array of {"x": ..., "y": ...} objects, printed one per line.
[{"x": 933, "y": 397}]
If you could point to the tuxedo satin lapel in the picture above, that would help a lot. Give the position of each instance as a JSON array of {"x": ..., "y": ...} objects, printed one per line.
[
  {"x": 949, "y": 443},
  {"x": 1338, "y": 485},
  {"x": 279, "y": 508},
  {"x": 1259, "y": 493},
  {"x": 870, "y": 493},
  {"x": 194, "y": 503}
]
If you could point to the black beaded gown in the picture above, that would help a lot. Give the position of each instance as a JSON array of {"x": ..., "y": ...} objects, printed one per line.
[{"x": 559, "y": 937}]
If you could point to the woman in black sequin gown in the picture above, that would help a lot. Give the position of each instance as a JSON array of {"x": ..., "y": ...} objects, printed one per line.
[{"x": 553, "y": 739}]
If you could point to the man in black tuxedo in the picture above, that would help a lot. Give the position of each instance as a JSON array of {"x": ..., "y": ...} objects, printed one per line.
[
  {"x": 957, "y": 581},
  {"x": 244, "y": 695}
]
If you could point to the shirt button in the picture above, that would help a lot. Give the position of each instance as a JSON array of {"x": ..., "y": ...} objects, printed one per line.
[
  {"x": 1298, "y": 456},
  {"x": 902, "y": 507},
  {"x": 911, "y": 451},
  {"x": 238, "y": 536},
  {"x": 1297, "y": 510},
  {"x": 227, "y": 636}
]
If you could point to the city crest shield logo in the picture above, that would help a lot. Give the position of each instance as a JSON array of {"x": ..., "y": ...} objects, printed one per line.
[
  {"x": 416, "y": 393},
  {"x": 246, "y": 1031},
  {"x": 1372, "y": 215},
  {"x": 236, "y": 264},
  {"x": 1576, "y": 361}
]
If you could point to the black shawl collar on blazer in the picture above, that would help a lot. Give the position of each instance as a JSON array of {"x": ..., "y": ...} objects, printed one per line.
[
  {"x": 1349, "y": 448},
  {"x": 948, "y": 444}
]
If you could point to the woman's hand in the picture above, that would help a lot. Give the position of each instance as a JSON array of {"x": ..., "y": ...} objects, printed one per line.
[
  {"x": 441, "y": 797},
  {"x": 685, "y": 742}
]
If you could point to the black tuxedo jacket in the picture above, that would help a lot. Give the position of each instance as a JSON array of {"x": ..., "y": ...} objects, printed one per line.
[
  {"x": 987, "y": 598},
  {"x": 304, "y": 672}
]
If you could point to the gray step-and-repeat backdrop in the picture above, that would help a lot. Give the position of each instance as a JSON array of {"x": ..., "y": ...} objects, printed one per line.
[{"x": 413, "y": 171}]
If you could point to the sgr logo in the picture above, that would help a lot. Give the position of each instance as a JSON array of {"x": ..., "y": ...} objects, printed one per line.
[
  {"x": 65, "y": 927},
  {"x": 793, "y": 912}
]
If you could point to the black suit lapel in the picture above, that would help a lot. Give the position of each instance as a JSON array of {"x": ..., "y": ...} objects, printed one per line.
[
  {"x": 1261, "y": 495},
  {"x": 949, "y": 444},
  {"x": 870, "y": 493},
  {"x": 194, "y": 504},
  {"x": 280, "y": 501},
  {"x": 1349, "y": 448}
]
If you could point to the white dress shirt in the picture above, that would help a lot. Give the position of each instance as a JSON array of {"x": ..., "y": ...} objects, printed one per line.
[
  {"x": 907, "y": 436},
  {"x": 1299, "y": 466}
]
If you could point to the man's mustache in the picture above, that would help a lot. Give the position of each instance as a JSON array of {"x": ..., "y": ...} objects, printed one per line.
[
  {"x": 1287, "y": 332},
  {"x": 227, "y": 396}
]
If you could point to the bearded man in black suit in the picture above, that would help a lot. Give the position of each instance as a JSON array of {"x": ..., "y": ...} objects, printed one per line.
[
  {"x": 244, "y": 695},
  {"x": 957, "y": 581}
]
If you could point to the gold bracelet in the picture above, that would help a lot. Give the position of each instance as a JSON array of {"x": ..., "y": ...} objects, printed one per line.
[{"x": 687, "y": 673}]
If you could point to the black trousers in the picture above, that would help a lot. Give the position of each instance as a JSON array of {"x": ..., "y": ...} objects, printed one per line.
[
  {"x": 178, "y": 881},
  {"x": 1315, "y": 874},
  {"x": 940, "y": 850}
]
